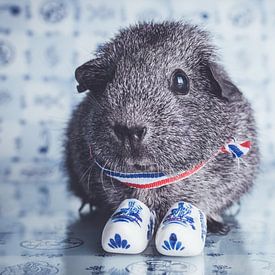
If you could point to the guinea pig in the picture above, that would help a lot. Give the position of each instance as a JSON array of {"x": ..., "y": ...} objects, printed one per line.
[{"x": 158, "y": 99}]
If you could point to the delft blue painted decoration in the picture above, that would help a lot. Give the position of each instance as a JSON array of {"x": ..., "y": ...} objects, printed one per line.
[
  {"x": 50, "y": 244},
  {"x": 180, "y": 215},
  {"x": 129, "y": 214},
  {"x": 53, "y": 11},
  {"x": 203, "y": 226},
  {"x": 161, "y": 266},
  {"x": 36, "y": 267},
  {"x": 6, "y": 53},
  {"x": 173, "y": 243},
  {"x": 150, "y": 228},
  {"x": 117, "y": 242}
]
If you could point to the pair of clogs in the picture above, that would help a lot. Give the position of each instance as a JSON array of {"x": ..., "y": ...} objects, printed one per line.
[{"x": 182, "y": 231}]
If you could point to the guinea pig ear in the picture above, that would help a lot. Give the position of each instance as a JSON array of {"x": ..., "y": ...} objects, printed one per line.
[
  {"x": 93, "y": 75},
  {"x": 221, "y": 84}
]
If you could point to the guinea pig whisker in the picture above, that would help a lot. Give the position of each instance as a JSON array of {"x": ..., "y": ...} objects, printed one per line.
[
  {"x": 157, "y": 167},
  {"x": 102, "y": 178},
  {"x": 157, "y": 164},
  {"x": 240, "y": 160},
  {"x": 89, "y": 177},
  {"x": 244, "y": 162},
  {"x": 84, "y": 173},
  {"x": 87, "y": 171},
  {"x": 92, "y": 99},
  {"x": 90, "y": 151},
  {"x": 113, "y": 168},
  {"x": 102, "y": 175},
  {"x": 76, "y": 138},
  {"x": 170, "y": 169}
]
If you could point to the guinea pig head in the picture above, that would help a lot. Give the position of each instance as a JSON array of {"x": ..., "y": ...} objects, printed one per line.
[{"x": 157, "y": 99}]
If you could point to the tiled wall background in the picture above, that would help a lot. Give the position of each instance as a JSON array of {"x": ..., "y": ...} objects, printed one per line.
[{"x": 43, "y": 41}]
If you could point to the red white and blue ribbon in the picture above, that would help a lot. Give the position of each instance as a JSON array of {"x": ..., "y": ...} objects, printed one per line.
[
  {"x": 149, "y": 180},
  {"x": 236, "y": 149}
]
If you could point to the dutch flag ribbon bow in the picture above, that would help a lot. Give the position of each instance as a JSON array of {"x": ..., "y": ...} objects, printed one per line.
[{"x": 149, "y": 180}]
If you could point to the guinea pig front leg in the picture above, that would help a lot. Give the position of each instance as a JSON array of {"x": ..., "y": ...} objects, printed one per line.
[
  {"x": 129, "y": 229},
  {"x": 217, "y": 227},
  {"x": 182, "y": 231}
]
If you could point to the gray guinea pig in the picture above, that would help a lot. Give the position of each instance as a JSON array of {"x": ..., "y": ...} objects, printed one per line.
[{"x": 158, "y": 100}]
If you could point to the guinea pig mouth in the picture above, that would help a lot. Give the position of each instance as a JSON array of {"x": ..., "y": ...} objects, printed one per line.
[
  {"x": 133, "y": 167},
  {"x": 143, "y": 167}
]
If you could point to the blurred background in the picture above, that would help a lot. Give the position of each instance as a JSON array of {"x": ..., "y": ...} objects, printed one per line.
[{"x": 43, "y": 41}]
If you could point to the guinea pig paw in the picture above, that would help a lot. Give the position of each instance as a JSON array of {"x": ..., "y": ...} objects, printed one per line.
[
  {"x": 129, "y": 229},
  {"x": 182, "y": 232}
]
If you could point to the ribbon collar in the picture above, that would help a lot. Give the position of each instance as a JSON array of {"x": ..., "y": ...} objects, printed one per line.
[{"x": 149, "y": 180}]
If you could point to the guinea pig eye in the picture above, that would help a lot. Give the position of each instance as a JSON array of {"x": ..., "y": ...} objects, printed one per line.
[{"x": 180, "y": 83}]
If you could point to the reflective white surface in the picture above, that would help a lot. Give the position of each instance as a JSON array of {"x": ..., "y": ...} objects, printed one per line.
[{"x": 42, "y": 233}]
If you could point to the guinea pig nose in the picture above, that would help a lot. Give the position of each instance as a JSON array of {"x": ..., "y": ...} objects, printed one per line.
[
  {"x": 134, "y": 134},
  {"x": 120, "y": 131},
  {"x": 138, "y": 133}
]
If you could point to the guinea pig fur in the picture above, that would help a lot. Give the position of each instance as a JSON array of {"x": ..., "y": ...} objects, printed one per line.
[{"x": 135, "y": 118}]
